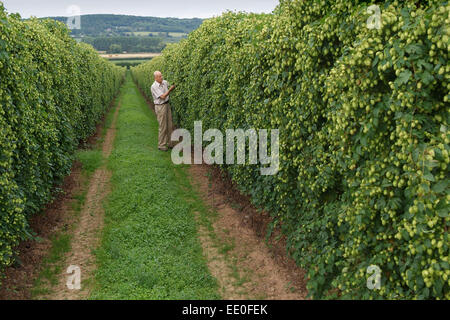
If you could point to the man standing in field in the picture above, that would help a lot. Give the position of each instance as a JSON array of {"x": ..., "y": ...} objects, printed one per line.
[{"x": 161, "y": 92}]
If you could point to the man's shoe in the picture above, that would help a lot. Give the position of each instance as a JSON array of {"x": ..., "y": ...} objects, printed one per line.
[{"x": 165, "y": 150}]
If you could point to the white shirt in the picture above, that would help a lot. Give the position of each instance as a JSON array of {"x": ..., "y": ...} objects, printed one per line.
[{"x": 158, "y": 90}]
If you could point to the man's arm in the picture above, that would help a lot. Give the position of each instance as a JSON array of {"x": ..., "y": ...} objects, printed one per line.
[{"x": 164, "y": 96}]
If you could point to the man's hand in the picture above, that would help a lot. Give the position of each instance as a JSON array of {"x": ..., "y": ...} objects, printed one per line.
[{"x": 164, "y": 96}]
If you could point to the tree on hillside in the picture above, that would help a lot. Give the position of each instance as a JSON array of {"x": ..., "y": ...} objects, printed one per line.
[{"x": 115, "y": 48}]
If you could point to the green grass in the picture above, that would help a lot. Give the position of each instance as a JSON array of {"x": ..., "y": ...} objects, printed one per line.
[
  {"x": 51, "y": 265},
  {"x": 91, "y": 160},
  {"x": 150, "y": 249},
  {"x": 227, "y": 247}
]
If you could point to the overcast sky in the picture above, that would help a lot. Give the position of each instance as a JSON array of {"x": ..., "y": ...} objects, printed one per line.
[{"x": 161, "y": 8}]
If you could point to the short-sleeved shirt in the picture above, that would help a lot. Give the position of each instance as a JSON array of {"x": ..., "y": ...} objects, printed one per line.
[{"x": 158, "y": 90}]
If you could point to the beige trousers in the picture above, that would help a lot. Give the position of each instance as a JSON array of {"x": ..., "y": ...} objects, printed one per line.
[{"x": 164, "y": 116}]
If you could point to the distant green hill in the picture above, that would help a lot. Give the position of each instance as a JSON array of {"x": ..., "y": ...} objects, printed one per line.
[
  {"x": 117, "y": 33},
  {"x": 96, "y": 25}
]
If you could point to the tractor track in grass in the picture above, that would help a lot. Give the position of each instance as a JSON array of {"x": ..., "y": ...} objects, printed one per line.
[
  {"x": 87, "y": 233},
  {"x": 39, "y": 257},
  {"x": 238, "y": 257},
  {"x": 58, "y": 215}
]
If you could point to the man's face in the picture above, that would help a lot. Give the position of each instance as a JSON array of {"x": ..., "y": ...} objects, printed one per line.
[{"x": 159, "y": 78}]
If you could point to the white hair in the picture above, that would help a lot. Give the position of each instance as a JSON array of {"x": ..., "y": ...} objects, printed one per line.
[{"x": 157, "y": 73}]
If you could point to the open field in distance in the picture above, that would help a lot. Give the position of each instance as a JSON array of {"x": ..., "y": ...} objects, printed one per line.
[
  {"x": 121, "y": 56},
  {"x": 147, "y": 33}
]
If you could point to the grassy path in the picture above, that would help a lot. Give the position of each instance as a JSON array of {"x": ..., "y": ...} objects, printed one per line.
[
  {"x": 143, "y": 228},
  {"x": 150, "y": 248}
]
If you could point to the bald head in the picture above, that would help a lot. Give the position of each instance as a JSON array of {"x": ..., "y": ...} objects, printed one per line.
[{"x": 158, "y": 76}]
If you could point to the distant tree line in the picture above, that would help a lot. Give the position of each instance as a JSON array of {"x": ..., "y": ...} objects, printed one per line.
[
  {"x": 108, "y": 24},
  {"x": 128, "y": 44}
]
